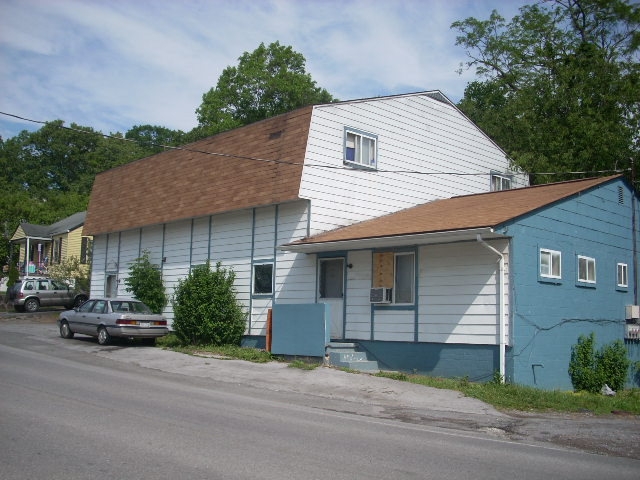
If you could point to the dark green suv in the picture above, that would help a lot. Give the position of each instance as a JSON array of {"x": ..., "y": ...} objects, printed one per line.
[{"x": 31, "y": 293}]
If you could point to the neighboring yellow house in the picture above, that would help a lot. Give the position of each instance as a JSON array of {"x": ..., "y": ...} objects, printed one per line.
[{"x": 41, "y": 246}]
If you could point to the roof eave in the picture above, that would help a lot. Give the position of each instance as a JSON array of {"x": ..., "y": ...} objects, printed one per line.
[
  {"x": 29, "y": 237},
  {"x": 395, "y": 241}
]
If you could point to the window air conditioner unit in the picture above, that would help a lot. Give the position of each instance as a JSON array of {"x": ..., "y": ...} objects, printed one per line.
[{"x": 380, "y": 295}]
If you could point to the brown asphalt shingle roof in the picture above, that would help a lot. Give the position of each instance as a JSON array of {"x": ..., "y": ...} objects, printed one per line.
[
  {"x": 459, "y": 213},
  {"x": 190, "y": 182}
]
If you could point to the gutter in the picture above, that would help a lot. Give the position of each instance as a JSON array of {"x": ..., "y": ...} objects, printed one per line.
[{"x": 502, "y": 303}]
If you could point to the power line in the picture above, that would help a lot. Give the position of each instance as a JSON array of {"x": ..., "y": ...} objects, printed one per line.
[{"x": 301, "y": 164}]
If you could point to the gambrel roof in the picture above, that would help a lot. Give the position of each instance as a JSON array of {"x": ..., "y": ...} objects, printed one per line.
[
  {"x": 259, "y": 164},
  {"x": 252, "y": 166},
  {"x": 452, "y": 218}
]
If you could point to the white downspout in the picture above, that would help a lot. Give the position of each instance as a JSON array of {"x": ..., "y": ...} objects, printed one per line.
[{"x": 502, "y": 306}]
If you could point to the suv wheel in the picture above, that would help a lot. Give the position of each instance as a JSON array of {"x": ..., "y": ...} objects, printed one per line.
[{"x": 31, "y": 305}]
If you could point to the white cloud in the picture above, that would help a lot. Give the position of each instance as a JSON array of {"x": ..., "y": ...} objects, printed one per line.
[{"x": 112, "y": 65}]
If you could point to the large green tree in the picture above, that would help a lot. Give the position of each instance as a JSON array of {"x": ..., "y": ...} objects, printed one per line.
[
  {"x": 268, "y": 81},
  {"x": 559, "y": 85},
  {"x": 47, "y": 175}
]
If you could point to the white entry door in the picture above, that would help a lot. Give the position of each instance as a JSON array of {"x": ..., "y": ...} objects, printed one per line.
[{"x": 331, "y": 292}]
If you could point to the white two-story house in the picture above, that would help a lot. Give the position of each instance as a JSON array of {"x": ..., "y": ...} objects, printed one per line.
[{"x": 240, "y": 196}]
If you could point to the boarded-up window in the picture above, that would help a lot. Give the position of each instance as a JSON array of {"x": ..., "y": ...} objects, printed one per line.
[{"x": 383, "y": 269}]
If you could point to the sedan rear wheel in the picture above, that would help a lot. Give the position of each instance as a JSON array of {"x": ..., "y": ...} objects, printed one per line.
[
  {"x": 31, "y": 305},
  {"x": 65, "y": 331},
  {"x": 103, "y": 336}
]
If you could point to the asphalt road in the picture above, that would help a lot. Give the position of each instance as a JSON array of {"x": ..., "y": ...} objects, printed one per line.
[{"x": 71, "y": 409}]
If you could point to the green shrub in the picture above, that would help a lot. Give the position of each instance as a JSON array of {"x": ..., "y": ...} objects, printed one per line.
[
  {"x": 613, "y": 364},
  {"x": 206, "y": 310},
  {"x": 71, "y": 271},
  {"x": 582, "y": 366},
  {"x": 145, "y": 283},
  {"x": 590, "y": 369}
]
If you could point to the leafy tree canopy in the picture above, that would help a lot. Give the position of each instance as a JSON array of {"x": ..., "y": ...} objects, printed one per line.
[
  {"x": 152, "y": 137},
  {"x": 268, "y": 81},
  {"x": 47, "y": 175},
  {"x": 559, "y": 86}
]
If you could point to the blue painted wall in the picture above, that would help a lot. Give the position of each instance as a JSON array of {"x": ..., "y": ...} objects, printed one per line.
[
  {"x": 300, "y": 329},
  {"x": 548, "y": 317}
]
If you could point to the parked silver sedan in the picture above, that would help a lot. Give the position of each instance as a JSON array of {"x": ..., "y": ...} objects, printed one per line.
[{"x": 112, "y": 317}]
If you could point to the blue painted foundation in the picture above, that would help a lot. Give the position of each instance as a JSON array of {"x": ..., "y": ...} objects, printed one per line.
[
  {"x": 254, "y": 341},
  {"x": 476, "y": 362}
]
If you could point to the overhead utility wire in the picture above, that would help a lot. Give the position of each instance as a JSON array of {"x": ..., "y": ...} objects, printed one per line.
[{"x": 285, "y": 162}]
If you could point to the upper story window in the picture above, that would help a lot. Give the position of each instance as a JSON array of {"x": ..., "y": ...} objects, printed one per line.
[
  {"x": 360, "y": 148},
  {"x": 550, "y": 263},
  {"x": 622, "y": 275},
  {"x": 500, "y": 182},
  {"x": 586, "y": 269}
]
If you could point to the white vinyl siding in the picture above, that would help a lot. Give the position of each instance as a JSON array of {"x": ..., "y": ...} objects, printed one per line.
[
  {"x": 295, "y": 275},
  {"x": 200, "y": 241},
  {"x": 98, "y": 279},
  {"x": 229, "y": 238},
  {"x": 394, "y": 325},
  {"x": 458, "y": 298},
  {"x": 459, "y": 294},
  {"x": 358, "y": 307}
]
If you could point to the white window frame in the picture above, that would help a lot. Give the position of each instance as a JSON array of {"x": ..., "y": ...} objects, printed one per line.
[
  {"x": 412, "y": 278},
  {"x": 353, "y": 139},
  {"x": 500, "y": 182},
  {"x": 253, "y": 278},
  {"x": 586, "y": 269},
  {"x": 622, "y": 275},
  {"x": 553, "y": 254}
]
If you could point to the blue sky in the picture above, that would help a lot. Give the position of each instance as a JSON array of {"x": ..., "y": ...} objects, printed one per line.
[{"x": 114, "y": 64}]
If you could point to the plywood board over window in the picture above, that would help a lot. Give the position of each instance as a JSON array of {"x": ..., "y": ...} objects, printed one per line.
[{"x": 383, "y": 269}]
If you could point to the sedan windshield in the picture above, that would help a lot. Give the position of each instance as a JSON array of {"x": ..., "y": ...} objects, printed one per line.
[{"x": 127, "y": 306}]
